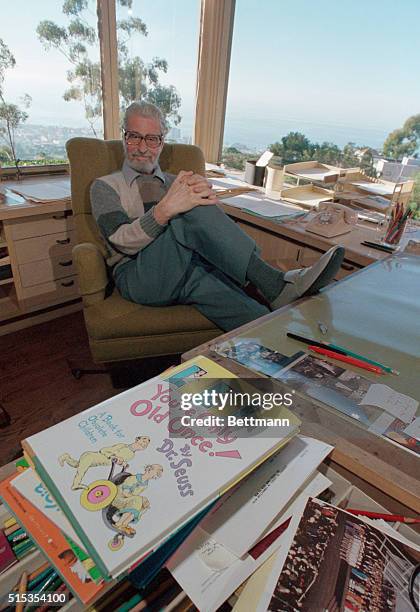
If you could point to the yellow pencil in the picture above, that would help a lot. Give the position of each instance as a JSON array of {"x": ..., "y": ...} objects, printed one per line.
[
  {"x": 9, "y": 523},
  {"x": 22, "y": 590}
]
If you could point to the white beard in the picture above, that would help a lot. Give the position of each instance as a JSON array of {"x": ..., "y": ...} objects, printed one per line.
[{"x": 146, "y": 167}]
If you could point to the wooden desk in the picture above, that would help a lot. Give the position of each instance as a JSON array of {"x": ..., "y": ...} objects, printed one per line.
[
  {"x": 38, "y": 239},
  {"x": 373, "y": 312},
  {"x": 291, "y": 241}
]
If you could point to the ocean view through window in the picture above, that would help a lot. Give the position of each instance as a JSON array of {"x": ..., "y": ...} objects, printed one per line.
[
  {"x": 51, "y": 76},
  {"x": 323, "y": 81}
]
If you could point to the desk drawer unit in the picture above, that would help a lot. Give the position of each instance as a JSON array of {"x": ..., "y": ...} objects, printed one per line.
[
  {"x": 38, "y": 272},
  {"x": 64, "y": 288},
  {"x": 41, "y": 225},
  {"x": 45, "y": 247},
  {"x": 41, "y": 255}
]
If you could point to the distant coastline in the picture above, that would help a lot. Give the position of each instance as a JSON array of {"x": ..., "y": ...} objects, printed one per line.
[{"x": 245, "y": 135}]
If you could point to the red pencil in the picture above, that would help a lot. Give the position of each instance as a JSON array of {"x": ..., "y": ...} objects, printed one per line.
[
  {"x": 346, "y": 359},
  {"x": 386, "y": 517}
]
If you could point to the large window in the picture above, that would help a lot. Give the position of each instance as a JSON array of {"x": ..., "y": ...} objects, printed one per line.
[
  {"x": 157, "y": 48},
  {"x": 316, "y": 76},
  {"x": 49, "y": 79},
  {"x": 50, "y": 75}
]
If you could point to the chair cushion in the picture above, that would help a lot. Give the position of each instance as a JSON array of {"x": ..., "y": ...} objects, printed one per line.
[{"x": 116, "y": 317}]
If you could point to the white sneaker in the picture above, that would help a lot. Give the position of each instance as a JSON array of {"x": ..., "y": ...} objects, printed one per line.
[{"x": 307, "y": 281}]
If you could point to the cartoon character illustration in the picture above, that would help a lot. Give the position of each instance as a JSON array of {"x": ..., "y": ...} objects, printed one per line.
[
  {"x": 118, "y": 453},
  {"x": 120, "y": 500},
  {"x": 76, "y": 566},
  {"x": 129, "y": 502}
]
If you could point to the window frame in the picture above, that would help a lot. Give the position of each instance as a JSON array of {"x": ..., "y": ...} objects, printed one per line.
[{"x": 215, "y": 43}]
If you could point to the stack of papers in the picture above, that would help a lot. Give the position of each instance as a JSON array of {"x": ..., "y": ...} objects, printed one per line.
[
  {"x": 257, "y": 203},
  {"x": 34, "y": 190},
  {"x": 249, "y": 524}
]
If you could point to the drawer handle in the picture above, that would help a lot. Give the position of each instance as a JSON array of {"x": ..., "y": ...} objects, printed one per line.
[
  {"x": 65, "y": 214},
  {"x": 67, "y": 284},
  {"x": 65, "y": 241},
  {"x": 347, "y": 267},
  {"x": 65, "y": 263}
]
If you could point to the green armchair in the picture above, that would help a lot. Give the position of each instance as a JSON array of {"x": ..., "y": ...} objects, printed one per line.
[{"x": 120, "y": 330}]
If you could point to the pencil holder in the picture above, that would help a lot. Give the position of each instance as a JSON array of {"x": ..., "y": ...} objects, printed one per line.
[{"x": 394, "y": 224}]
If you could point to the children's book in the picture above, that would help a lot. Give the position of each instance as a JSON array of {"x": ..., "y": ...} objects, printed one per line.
[
  {"x": 130, "y": 471},
  {"x": 53, "y": 543},
  {"x": 33, "y": 489}
]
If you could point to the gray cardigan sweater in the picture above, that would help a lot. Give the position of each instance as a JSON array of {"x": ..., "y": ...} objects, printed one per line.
[{"x": 122, "y": 205}]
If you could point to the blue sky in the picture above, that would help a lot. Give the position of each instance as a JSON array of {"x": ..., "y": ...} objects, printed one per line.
[{"x": 328, "y": 68}]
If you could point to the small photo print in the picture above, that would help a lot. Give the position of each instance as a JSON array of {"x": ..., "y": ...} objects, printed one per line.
[
  {"x": 317, "y": 369},
  {"x": 338, "y": 562},
  {"x": 331, "y": 384},
  {"x": 396, "y": 432},
  {"x": 255, "y": 356}
]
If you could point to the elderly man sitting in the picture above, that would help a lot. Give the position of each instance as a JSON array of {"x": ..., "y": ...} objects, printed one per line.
[{"x": 169, "y": 242}]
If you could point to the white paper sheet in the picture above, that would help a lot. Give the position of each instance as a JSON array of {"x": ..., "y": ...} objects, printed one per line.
[
  {"x": 256, "y": 201},
  {"x": 209, "y": 588},
  {"x": 382, "y": 423},
  {"x": 400, "y": 405},
  {"x": 264, "y": 159},
  {"x": 316, "y": 174},
  {"x": 263, "y": 206},
  {"x": 242, "y": 515}
]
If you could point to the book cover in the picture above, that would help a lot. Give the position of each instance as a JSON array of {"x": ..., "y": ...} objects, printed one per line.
[
  {"x": 52, "y": 542},
  {"x": 7, "y": 558},
  {"x": 128, "y": 472},
  {"x": 33, "y": 489}
]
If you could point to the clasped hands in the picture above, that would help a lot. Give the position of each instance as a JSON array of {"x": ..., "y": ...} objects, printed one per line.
[{"x": 186, "y": 192}]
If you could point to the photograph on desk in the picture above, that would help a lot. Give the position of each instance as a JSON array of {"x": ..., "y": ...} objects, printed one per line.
[
  {"x": 338, "y": 562},
  {"x": 377, "y": 407},
  {"x": 255, "y": 356}
]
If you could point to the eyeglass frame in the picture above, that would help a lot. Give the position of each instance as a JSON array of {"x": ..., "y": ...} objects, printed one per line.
[{"x": 140, "y": 138}]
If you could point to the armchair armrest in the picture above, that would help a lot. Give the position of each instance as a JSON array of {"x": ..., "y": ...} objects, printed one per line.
[{"x": 91, "y": 268}]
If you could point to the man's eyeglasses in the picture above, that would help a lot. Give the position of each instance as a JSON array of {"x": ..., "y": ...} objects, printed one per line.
[{"x": 153, "y": 141}]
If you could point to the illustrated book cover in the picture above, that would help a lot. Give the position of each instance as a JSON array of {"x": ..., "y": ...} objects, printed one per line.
[{"x": 129, "y": 472}]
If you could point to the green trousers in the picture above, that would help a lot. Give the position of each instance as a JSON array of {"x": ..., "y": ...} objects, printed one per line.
[{"x": 200, "y": 259}]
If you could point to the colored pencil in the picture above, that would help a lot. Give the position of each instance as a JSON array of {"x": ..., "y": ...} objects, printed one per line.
[
  {"x": 159, "y": 591},
  {"x": 11, "y": 530},
  {"x": 61, "y": 589},
  {"x": 385, "y": 516},
  {"x": 40, "y": 578},
  {"x": 343, "y": 351},
  {"x": 388, "y": 369},
  {"x": 39, "y": 570},
  {"x": 350, "y": 360},
  {"x": 21, "y": 591},
  {"x": 9, "y": 522}
]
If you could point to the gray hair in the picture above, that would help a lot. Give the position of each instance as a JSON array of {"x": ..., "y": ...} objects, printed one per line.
[{"x": 145, "y": 109}]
